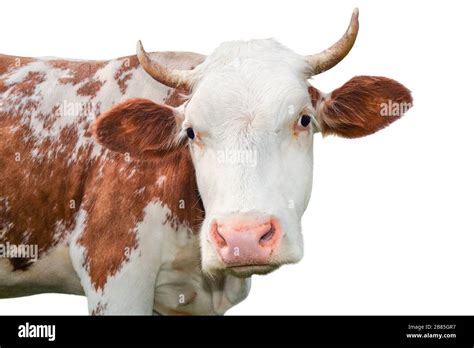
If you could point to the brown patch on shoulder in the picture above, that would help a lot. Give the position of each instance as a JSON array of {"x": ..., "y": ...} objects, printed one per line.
[
  {"x": 179, "y": 191},
  {"x": 90, "y": 88},
  {"x": 26, "y": 88},
  {"x": 12, "y": 62},
  {"x": 81, "y": 73},
  {"x": 22, "y": 91},
  {"x": 125, "y": 72},
  {"x": 108, "y": 238},
  {"x": 116, "y": 199}
]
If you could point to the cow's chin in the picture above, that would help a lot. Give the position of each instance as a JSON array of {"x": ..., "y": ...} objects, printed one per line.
[
  {"x": 243, "y": 271},
  {"x": 247, "y": 271},
  {"x": 214, "y": 266}
]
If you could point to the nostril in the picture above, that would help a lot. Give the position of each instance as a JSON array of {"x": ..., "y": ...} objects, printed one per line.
[
  {"x": 268, "y": 236},
  {"x": 218, "y": 238}
]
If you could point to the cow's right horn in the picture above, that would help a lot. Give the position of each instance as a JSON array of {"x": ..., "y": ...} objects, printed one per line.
[
  {"x": 169, "y": 77},
  {"x": 328, "y": 58}
]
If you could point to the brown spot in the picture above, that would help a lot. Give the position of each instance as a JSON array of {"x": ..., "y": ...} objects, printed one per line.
[
  {"x": 11, "y": 62},
  {"x": 99, "y": 309},
  {"x": 355, "y": 109},
  {"x": 90, "y": 88},
  {"x": 125, "y": 72},
  {"x": 26, "y": 88},
  {"x": 19, "y": 100},
  {"x": 3, "y": 86},
  {"x": 81, "y": 73}
]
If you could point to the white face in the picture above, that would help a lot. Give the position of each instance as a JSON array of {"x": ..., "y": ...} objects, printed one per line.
[{"x": 253, "y": 122}]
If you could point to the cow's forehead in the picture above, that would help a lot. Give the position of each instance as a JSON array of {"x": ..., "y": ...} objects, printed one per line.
[
  {"x": 258, "y": 79},
  {"x": 234, "y": 101},
  {"x": 267, "y": 52}
]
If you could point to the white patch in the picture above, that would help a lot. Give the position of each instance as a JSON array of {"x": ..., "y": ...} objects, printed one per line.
[
  {"x": 140, "y": 191},
  {"x": 6, "y": 203},
  {"x": 253, "y": 112},
  {"x": 161, "y": 180},
  {"x": 132, "y": 173}
]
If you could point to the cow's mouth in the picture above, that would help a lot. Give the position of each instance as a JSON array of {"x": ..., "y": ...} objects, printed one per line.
[{"x": 245, "y": 271}]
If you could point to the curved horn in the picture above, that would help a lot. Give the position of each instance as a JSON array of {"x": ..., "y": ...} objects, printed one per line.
[
  {"x": 328, "y": 58},
  {"x": 169, "y": 77}
]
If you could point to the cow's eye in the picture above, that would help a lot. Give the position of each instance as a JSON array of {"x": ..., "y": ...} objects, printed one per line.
[
  {"x": 304, "y": 121},
  {"x": 190, "y": 133}
]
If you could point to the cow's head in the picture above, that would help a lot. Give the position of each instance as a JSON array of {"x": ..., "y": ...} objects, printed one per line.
[{"x": 249, "y": 122}]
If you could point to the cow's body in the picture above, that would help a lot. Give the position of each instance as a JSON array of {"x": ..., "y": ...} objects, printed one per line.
[{"x": 106, "y": 225}]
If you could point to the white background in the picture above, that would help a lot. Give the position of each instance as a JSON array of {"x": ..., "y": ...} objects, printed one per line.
[{"x": 389, "y": 229}]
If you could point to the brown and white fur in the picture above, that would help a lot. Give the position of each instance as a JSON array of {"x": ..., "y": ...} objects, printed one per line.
[
  {"x": 104, "y": 226},
  {"x": 116, "y": 209}
]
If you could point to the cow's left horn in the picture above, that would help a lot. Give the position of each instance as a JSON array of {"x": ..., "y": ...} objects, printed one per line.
[
  {"x": 169, "y": 77},
  {"x": 328, "y": 58}
]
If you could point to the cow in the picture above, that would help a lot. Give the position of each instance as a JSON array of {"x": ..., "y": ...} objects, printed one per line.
[{"x": 159, "y": 183}]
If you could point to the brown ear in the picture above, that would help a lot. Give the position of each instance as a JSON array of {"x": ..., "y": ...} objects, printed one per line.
[
  {"x": 139, "y": 127},
  {"x": 362, "y": 106}
]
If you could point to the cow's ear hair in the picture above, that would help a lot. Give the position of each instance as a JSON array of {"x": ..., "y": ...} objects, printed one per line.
[
  {"x": 362, "y": 106},
  {"x": 139, "y": 127}
]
